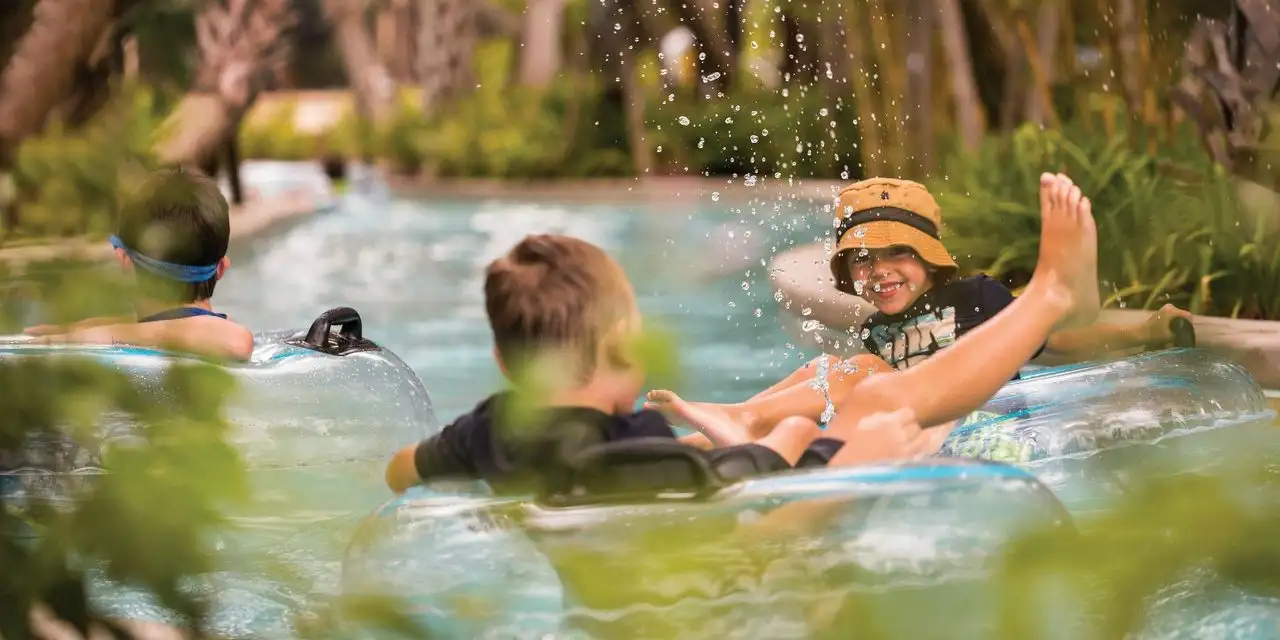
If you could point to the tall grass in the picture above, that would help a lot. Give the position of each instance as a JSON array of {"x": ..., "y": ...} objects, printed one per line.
[{"x": 1165, "y": 235}]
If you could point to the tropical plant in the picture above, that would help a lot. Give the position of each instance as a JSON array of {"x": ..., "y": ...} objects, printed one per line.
[{"x": 1165, "y": 234}]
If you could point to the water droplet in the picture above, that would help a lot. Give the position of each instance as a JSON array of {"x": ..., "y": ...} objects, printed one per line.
[
  {"x": 683, "y": 120},
  {"x": 711, "y": 77},
  {"x": 754, "y": 45},
  {"x": 777, "y": 296},
  {"x": 755, "y": 138},
  {"x": 702, "y": 142},
  {"x": 715, "y": 196},
  {"x": 749, "y": 181},
  {"x": 759, "y": 312},
  {"x": 728, "y": 120},
  {"x": 746, "y": 286},
  {"x": 806, "y": 311},
  {"x": 617, "y": 27},
  {"x": 810, "y": 325}
]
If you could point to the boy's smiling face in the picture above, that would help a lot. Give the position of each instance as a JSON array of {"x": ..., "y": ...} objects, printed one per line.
[{"x": 892, "y": 279}]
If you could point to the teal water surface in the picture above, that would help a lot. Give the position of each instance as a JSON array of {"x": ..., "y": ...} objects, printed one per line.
[{"x": 414, "y": 270}]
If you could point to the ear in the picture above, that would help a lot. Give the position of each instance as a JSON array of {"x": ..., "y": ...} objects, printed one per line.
[
  {"x": 124, "y": 260},
  {"x": 619, "y": 347},
  {"x": 502, "y": 366},
  {"x": 223, "y": 265}
]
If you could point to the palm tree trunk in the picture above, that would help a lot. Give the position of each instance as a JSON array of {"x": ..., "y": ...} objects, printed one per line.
[
  {"x": 373, "y": 86},
  {"x": 446, "y": 43},
  {"x": 42, "y": 71},
  {"x": 540, "y": 36},
  {"x": 1048, "y": 28},
  {"x": 919, "y": 112},
  {"x": 964, "y": 86},
  {"x": 857, "y": 30}
]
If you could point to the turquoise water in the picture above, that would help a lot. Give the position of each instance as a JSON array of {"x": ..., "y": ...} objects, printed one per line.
[{"x": 414, "y": 270}]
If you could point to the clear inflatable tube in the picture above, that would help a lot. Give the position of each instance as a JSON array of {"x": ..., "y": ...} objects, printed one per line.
[
  {"x": 1079, "y": 409},
  {"x": 311, "y": 411},
  {"x": 665, "y": 568}
]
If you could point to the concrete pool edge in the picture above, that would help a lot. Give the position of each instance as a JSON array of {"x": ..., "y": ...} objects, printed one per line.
[{"x": 803, "y": 287}]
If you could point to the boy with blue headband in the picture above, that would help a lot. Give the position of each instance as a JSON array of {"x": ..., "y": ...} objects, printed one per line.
[{"x": 172, "y": 234}]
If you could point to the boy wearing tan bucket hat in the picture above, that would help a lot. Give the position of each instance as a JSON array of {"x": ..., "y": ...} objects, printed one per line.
[{"x": 889, "y": 251}]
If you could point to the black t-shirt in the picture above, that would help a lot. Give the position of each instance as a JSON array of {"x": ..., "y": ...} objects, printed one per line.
[
  {"x": 522, "y": 459},
  {"x": 936, "y": 320}
]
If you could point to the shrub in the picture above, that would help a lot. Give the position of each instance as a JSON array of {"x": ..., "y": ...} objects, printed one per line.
[
  {"x": 66, "y": 182},
  {"x": 1161, "y": 238}
]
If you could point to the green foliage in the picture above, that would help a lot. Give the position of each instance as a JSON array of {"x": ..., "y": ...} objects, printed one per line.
[
  {"x": 145, "y": 521},
  {"x": 1162, "y": 237},
  {"x": 67, "y": 181},
  {"x": 785, "y": 133}
]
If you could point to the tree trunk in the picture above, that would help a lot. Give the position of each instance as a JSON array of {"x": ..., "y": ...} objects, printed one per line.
[
  {"x": 238, "y": 43},
  {"x": 963, "y": 85},
  {"x": 919, "y": 40},
  {"x": 633, "y": 101},
  {"x": 1127, "y": 59},
  {"x": 43, "y": 69},
  {"x": 232, "y": 150},
  {"x": 374, "y": 89},
  {"x": 718, "y": 68},
  {"x": 446, "y": 42},
  {"x": 541, "y": 34},
  {"x": 892, "y": 85},
  {"x": 1048, "y": 28},
  {"x": 870, "y": 128}
]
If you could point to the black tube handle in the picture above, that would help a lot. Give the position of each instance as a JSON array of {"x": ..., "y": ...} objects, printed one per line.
[
  {"x": 346, "y": 319},
  {"x": 1184, "y": 334}
]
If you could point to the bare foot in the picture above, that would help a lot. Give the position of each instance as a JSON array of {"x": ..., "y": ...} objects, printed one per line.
[
  {"x": 697, "y": 415},
  {"x": 1067, "y": 270}
]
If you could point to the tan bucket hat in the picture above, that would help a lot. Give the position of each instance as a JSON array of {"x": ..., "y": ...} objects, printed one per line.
[{"x": 878, "y": 213}]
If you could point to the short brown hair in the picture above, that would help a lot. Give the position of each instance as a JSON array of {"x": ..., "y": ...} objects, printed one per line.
[
  {"x": 178, "y": 217},
  {"x": 554, "y": 292}
]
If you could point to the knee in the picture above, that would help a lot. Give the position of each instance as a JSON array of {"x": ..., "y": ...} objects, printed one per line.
[
  {"x": 865, "y": 364},
  {"x": 798, "y": 427},
  {"x": 829, "y": 361}
]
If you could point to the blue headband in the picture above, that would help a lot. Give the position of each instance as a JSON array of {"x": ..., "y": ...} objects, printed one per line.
[{"x": 179, "y": 272}]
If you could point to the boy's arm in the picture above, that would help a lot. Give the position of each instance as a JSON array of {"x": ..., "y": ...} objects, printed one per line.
[
  {"x": 1102, "y": 340},
  {"x": 204, "y": 336},
  {"x": 54, "y": 329},
  {"x": 441, "y": 455}
]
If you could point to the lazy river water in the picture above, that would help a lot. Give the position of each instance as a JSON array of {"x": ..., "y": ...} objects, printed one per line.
[{"x": 414, "y": 270}]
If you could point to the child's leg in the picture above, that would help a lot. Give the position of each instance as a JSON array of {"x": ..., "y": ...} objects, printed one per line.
[
  {"x": 790, "y": 437},
  {"x": 1063, "y": 292},
  {"x": 759, "y": 415},
  {"x": 803, "y": 374}
]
